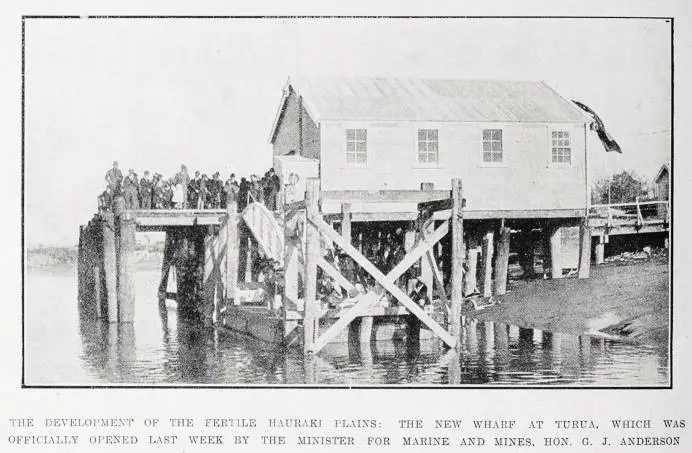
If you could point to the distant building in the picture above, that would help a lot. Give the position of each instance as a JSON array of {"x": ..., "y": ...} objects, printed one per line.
[
  {"x": 662, "y": 182},
  {"x": 519, "y": 147}
]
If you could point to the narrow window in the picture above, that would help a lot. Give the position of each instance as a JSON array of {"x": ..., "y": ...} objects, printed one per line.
[
  {"x": 492, "y": 145},
  {"x": 356, "y": 146},
  {"x": 561, "y": 150},
  {"x": 427, "y": 146}
]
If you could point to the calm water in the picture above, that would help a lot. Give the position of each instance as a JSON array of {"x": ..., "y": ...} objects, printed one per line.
[{"x": 159, "y": 349}]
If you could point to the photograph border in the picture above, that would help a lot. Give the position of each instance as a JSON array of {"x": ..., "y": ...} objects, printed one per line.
[{"x": 489, "y": 386}]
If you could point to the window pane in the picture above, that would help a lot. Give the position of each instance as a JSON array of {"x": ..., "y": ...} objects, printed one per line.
[
  {"x": 497, "y": 134},
  {"x": 350, "y": 134},
  {"x": 432, "y": 146},
  {"x": 361, "y": 134},
  {"x": 496, "y": 146},
  {"x": 361, "y": 158},
  {"x": 421, "y": 134},
  {"x": 486, "y": 146},
  {"x": 486, "y": 134},
  {"x": 350, "y": 146},
  {"x": 433, "y": 134},
  {"x": 350, "y": 158},
  {"x": 487, "y": 156},
  {"x": 497, "y": 157}
]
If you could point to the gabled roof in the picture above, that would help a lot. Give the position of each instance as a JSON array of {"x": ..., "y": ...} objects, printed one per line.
[
  {"x": 664, "y": 168},
  {"x": 409, "y": 99}
]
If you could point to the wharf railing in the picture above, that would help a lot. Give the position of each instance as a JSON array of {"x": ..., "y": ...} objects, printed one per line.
[{"x": 640, "y": 213}]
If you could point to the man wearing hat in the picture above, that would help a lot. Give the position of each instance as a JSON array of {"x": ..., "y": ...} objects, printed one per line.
[
  {"x": 145, "y": 190},
  {"x": 193, "y": 191},
  {"x": 183, "y": 179},
  {"x": 130, "y": 192},
  {"x": 215, "y": 189},
  {"x": 114, "y": 178}
]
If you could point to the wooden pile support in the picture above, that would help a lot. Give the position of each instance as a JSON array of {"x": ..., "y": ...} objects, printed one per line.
[{"x": 313, "y": 341}]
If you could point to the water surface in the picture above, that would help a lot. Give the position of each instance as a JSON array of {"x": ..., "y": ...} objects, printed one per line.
[{"x": 158, "y": 348}]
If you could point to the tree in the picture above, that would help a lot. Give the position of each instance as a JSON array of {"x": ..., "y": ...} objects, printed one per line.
[{"x": 625, "y": 187}]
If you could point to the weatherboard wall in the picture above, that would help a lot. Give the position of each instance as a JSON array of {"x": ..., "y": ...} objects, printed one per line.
[{"x": 525, "y": 180}]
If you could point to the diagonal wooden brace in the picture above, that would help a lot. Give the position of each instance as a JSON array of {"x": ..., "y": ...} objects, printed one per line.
[
  {"x": 387, "y": 281},
  {"x": 422, "y": 248}
]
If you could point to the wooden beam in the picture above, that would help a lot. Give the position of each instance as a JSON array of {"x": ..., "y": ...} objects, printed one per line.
[
  {"x": 584, "y": 249},
  {"x": 344, "y": 320},
  {"x": 481, "y": 214},
  {"x": 502, "y": 262},
  {"x": 382, "y": 279},
  {"x": 436, "y": 205},
  {"x": 458, "y": 252},
  {"x": 295, "y": 205},
  {"x": 424, "y": 246},
  {"x": 376, "y": 196},
  {"x": 330, "y": 270},
  {"x": 312, "y": 254},
  {"x": 487, "y": 264},
  {"x": 417, "y": 252}
]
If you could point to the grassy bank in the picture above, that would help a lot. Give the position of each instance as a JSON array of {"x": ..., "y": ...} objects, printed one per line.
[{"x": 628, "y": 300}]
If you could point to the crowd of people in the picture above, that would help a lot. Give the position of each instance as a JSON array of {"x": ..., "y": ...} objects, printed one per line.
[{"x": 183, "y": 191}]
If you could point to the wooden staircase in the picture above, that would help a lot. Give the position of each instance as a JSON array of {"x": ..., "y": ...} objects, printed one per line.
[{"x": 267, "y": 229}]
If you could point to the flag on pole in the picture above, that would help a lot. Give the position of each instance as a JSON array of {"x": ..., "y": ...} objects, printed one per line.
[{"x": 607, "y": 140}]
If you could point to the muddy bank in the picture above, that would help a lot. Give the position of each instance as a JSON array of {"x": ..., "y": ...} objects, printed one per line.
[{"x": 627, "y": 300}]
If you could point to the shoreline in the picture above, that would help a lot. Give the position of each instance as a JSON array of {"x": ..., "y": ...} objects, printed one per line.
[{"x": 626, "y": 302}]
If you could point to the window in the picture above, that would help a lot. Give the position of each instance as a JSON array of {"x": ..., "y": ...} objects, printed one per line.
[
  {"x": 492, "y": 145},
  {"x": 427, "y": 146},
  {"x": 356, "y": 146},
  {"x": 562, "y": 153}
]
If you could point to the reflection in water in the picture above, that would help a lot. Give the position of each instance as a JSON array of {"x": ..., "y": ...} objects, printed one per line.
[{"x": 160, "y": 348}]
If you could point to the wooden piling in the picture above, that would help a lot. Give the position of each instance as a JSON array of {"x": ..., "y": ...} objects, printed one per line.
[
  {"x": 555, "y": 252},
  {"x": 526, "y": 251},
  {"x": 426, "y": 274},
  {"x": 502, "y": 262},
  {"x": 232, "y": 250},
  {"x": 210, "y": 277},
  {"x": 97, "y": 291},
  {"x": 600, "y": 250},
  {"x": 458, "y": 251},
  {"x": 81, "y": 281},
  {"x": 365, "y": 329},
  {"x": 110, "y": 270},
  {"x": 487, "y": 263},
  {"x": 470, "y": 276},
  {"x": 312, "y": 254},
  {"x": 346, "y": 221},
  {"x": 126, "y": 290},
  {"x": 168, "y": 254},
  {"x": 584, "y": 249}
]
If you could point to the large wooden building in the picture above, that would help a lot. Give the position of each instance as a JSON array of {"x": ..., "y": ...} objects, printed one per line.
[{"x": 519, "y": 147}]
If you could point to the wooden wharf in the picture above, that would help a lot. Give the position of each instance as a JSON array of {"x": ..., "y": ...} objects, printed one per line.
[{"x": 212, "y": 251}]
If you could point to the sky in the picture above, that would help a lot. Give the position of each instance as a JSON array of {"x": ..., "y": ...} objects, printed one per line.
[{"x": 155, "y": 93}]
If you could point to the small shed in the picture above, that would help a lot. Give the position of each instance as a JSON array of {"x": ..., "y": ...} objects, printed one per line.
[{"x": 662, "y": 182}]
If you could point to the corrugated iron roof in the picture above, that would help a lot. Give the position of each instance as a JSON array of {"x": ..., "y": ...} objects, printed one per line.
[{"x": 362, "y": 98}]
